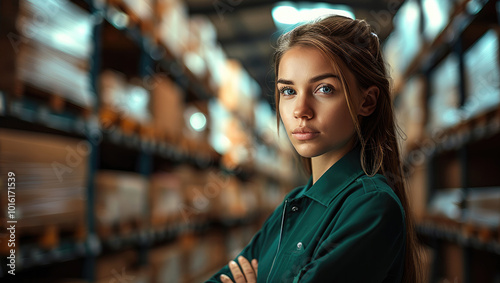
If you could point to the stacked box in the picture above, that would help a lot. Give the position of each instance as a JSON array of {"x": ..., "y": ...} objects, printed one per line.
[
  {"x": 202, "y": 254},
  {"x": 141, "y": 8},
  {"x": 202, "y": 38},
  {"x": 125, "y": 103},
  {"x": 121, "y": 201},
  {"x": 51, "y": 48},
  {"x": 216, "y": 60},
  {"x": 231, "y": 203},
  {"x": 167, "y": 263},
  {"x": 444, "y": 103},
  {"x": 251, "y": 199},
  {"x": 165, "y": 196},
  {"x": 483, "y": 207},
  {"x": 54, "y": 73},
  {"x": 197, "y": 203},
  {"x": 172, "y": 19},
  {"x": 239, "y": 153},
  {"x": 167, "y": 109},
  {"x": 50, "y": 181},
  {"x": 238, "y": 91},
  {"x": 482, "y": 75},
  {"x": 405, "y": 41}
]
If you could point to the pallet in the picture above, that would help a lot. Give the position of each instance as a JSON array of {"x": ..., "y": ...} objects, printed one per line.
[
  {"x": 482, "y": 233},
  {"x": 111, "y": 118},
  {"x": 120, "y": 228},
  {"x": 475, "y": 128},
  {"x": 47, "y": 236},
  {"x": 23, "y": 94}
]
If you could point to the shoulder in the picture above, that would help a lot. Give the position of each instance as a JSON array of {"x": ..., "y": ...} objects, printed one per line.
[
  {"x": 374, "y": 193},
  {"x": 375, "y": 186}
]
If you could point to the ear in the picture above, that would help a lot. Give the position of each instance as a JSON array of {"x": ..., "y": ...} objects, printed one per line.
[{"x": 369, "y": 103}]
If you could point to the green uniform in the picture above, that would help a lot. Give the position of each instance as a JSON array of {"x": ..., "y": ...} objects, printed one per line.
[{"x": 347, "y": 227}]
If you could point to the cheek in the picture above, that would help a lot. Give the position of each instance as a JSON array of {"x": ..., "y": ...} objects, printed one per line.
[
  {"x": 284, "y": 114},
  {"x": 339, "y": 119}
]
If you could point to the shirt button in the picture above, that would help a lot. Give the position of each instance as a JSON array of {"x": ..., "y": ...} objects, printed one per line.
[
  {"x": 299, "y": 245},
  {"x": 295, "y": 208}
]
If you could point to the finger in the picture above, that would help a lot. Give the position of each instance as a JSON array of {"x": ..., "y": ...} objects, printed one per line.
[
  {"x": 225, "y": 279},
  {"x": 236, "y": 271},
  {"x": 248, "y": 271},
  {"x": 255, "y": 265}
]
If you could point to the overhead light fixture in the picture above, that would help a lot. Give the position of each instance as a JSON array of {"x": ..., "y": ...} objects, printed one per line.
[
  {"x": 287, "y": 14},
  {"x": 198, "y": 121}
]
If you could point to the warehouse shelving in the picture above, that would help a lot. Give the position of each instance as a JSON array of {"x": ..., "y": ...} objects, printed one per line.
[
  {"x": 467, "y": 15},
  {"x": 436, "y": 231},
  {"x": 458, "y": 158},
  {"x": 27, "y": 112}
]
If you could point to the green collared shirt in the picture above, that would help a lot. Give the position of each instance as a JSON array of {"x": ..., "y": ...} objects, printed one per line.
[{"x": 347, "y": 227}]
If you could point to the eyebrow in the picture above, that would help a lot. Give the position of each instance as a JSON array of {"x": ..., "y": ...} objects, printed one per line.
[{"x": 312, "y": 80}]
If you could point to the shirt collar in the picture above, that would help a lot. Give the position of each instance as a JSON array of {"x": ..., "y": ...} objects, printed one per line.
[{"x": 336, "y": 178}]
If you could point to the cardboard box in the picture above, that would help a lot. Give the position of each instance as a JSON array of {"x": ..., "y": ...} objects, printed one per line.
[
  {"x": 167, "y": 108},
  {"x": 50, "y": 182},
  {"x": 121, "y": 199},
  {"x": 55, "y": 72},
  {"x": 172, "y": 23},
  {"x": 127, "y": 101},
  {"x": 444, "y": 97},
  {"x": 165, "y": 196},
  {"x": 167, "y": 263}
]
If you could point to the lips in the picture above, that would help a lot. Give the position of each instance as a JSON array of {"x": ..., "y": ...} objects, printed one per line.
[{"x": 304, "y": 133}]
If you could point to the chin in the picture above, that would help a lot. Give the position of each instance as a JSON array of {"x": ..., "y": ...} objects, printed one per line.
[{"x": 307, "y": 152}]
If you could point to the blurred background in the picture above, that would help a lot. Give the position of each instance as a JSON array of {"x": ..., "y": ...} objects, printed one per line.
[{"x": 141, "y": 142}]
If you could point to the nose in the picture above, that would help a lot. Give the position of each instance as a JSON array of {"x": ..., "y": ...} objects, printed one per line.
[{"x": 302, "y": 108}]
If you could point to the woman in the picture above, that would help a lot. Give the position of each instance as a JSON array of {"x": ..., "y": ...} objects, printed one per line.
[{"x": 351, "y": 222}]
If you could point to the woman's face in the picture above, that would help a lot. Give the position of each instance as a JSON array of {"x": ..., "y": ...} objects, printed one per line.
[{"x": 312, "y": 102}]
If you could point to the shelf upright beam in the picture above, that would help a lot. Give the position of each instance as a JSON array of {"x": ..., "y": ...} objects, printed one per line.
[
  {"x": 145, "y": 161},
  {"x": 436, "y": 270},
  {"x": 462, "y": 157},
  {"x": 92, "y": 243},
  {"x": 498, "y": 11},
  {"x": 430, "y": 185},
  {"x": 466, "y": 249},
  {"x": 145, "y": 166}
]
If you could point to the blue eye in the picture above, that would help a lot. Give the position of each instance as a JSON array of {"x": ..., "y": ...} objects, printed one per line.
[
  {"x": 286, "y": 91},
  {"x": 325, "y": 89}
]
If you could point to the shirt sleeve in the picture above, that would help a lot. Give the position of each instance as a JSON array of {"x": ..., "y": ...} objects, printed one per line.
[
  {"x": 252, "y": 250},
  {"x": 366, "y": 240}
]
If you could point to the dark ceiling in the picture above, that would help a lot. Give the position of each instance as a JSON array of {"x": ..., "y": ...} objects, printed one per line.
[{"x": 247, "y": 32}]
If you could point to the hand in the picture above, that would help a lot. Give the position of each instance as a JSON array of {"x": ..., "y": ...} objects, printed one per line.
[{"x": 249, "y": 274}]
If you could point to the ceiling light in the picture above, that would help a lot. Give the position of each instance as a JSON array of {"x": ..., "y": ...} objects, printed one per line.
[
  {"x": 198, "y": 121},
  {"x": 286, "y": 14}
]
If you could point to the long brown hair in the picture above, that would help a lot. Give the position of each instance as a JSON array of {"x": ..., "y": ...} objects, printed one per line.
[{"x": 354, "y": 43}]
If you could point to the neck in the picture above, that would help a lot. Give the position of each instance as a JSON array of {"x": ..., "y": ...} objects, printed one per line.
[{"x": 320, "y": 164}]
